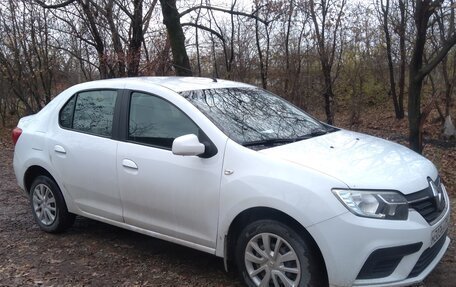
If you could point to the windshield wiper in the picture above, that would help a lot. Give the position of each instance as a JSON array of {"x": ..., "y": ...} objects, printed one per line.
[
  {"x": 275, "y": 141},
  {"x": 269, "y": 142},
  {"x": 313, "y": 133}
]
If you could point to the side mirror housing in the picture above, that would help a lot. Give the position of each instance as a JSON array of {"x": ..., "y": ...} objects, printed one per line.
[{"x": 188, "y": 145}]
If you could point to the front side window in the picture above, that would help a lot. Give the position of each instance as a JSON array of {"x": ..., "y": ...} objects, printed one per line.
[
  {"x": 90, "y": 112},
  {"x": 155, "y": 121}
]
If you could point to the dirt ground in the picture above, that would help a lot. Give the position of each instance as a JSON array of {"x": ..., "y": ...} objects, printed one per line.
[{"x": 97, "y": 254}]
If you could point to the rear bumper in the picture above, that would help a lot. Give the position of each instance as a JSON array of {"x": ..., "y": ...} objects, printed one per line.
[
  {"x": 18, "y": 171},
  {"x": 347, "y": 242}
]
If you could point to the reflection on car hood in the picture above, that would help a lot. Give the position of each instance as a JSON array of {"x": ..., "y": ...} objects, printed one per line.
[{"x": 360, "y": 161}]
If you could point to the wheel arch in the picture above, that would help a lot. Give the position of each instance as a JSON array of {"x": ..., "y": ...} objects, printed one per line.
[
  {"x": 33, "y": 172},
  {"x": 258, "y": 213}
]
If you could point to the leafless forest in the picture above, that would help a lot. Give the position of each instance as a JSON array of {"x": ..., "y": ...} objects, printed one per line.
[{"x": 324, "y": 55}]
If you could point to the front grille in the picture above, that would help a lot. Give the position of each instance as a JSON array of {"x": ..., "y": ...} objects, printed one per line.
[
  {"x": 427, "y": 257},
  {"x": 427, "y": 209},
  {"x": 424, "y": 202}
]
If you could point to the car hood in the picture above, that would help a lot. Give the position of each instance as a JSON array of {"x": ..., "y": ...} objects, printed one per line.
[{"x": 360, "y": 161}]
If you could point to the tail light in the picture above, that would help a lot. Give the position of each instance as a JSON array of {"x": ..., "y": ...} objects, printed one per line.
[{"x": 16, "y": 134}]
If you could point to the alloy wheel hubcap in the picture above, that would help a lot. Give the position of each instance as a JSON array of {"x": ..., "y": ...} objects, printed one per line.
[
  {"x": 44, "y": 204},
  {"x": 271, "y": 261}
]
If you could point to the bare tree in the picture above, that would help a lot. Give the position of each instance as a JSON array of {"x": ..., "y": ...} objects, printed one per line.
[
  {"x": 385, "y": 18},
  {"x": 171, "y": 19},
  {"x": 27, "y": 55},
  {"x": 418, "y": 70},
  {"x": 401, "y": 28},
  {"x": 101, "y": 18},
  {"x": 289, "y": 22},
  {"x": 263, "y": 56},
  {"x": 448, "y": 64},
  {"x": 218, "y": 30},
  {"x": 327, "y": 19}
]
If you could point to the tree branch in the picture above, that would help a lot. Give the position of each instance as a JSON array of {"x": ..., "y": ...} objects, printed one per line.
[
  {"x": 124, "y": 9},
  {"x": 253, "y": 16},
  {"x": 447, "y": 45},
  {"x": 206, "y": 29},
  {"x": 54, "y": 6}
]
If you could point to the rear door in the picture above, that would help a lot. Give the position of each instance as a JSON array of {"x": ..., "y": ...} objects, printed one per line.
[
  {"x": 83, "y": 152},
  {"x": 173, "y": 195}
]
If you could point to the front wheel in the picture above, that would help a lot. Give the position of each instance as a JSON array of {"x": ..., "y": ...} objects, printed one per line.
[
  {"x": 48, "y": 206},
  {"x": 269, "y": 253}
]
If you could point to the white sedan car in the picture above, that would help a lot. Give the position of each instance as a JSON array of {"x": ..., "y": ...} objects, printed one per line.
[{"x": 235, "y": 171}]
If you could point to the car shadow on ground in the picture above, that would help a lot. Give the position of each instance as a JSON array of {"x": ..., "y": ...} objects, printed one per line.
[{"x": 153, "y": 258}]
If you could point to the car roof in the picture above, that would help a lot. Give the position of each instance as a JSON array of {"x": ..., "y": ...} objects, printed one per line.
[{"x": 180, "y": 84}]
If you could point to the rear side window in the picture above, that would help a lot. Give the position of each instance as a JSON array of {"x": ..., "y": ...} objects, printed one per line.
[
  {"x": 90, "y": 112},
  {"x": 157, "y": 122}
]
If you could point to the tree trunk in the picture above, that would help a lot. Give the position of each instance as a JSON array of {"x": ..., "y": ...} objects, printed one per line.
[
  {"x": 134, "y": 49},
  {"x": 417, "y": 71},
  {"x": 171, "y": 19},
  {"x": 263, "y": 72},
  {"x": 198, "y": 56},
  {"x": 231, "y": 60},
  {"x": 99, "y": 44},
  {"x": 287, "y": 50},
  {"x": 415, "y": 79},
  {"x": 326, "y": 44},
  {"x": 402, "y": 49},
  {"x": 414, "y": 116},
  {"x": 328, "y": 95},
  {"x": 385, "y": 13},
  {"x": 117, "y": 43}
]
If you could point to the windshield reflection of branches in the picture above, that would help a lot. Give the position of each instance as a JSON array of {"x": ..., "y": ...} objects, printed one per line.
[{"x": 249, "y": 114}]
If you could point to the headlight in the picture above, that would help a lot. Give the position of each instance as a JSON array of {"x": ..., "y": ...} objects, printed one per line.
[{"x": 373, "y": 203}]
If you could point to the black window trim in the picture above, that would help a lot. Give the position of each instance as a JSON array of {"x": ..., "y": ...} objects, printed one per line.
[
  {"x": 72, "y": 111},
  {"x": 124, "y": 122},
  {"x": 115, "y": 120}
]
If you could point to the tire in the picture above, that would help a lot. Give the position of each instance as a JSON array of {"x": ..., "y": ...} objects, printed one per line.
[
  {"x": 48, "y": 206},
  {"x": 256, "y": 254}
]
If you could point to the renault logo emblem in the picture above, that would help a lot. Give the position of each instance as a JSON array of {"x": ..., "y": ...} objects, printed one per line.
[{"x": 438, "y": 195}]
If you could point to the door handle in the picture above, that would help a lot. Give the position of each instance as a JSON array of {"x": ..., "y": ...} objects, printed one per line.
[
  {"x": 129, "y": 164},
  {"x": 59, "y": 149}
]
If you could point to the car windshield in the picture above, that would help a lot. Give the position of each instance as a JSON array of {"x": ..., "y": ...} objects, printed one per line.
[{"x": 254, "y": 117}]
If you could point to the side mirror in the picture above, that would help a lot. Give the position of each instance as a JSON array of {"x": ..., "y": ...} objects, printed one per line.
[{"x": 187, "y": 145}]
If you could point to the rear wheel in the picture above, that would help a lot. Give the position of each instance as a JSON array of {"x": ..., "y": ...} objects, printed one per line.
[
  {"x": 269, "y": 253},
  {"x": 48, "y": 206}
]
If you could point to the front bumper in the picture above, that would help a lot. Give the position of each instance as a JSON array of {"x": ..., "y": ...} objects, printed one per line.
[{"x": 347, "y": 241}]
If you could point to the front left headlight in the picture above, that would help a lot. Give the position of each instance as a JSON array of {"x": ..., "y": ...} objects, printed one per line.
[{"x": 374, "y": 203}]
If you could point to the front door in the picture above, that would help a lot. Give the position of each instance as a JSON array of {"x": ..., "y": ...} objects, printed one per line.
[{"x": 173, "y": 195}]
